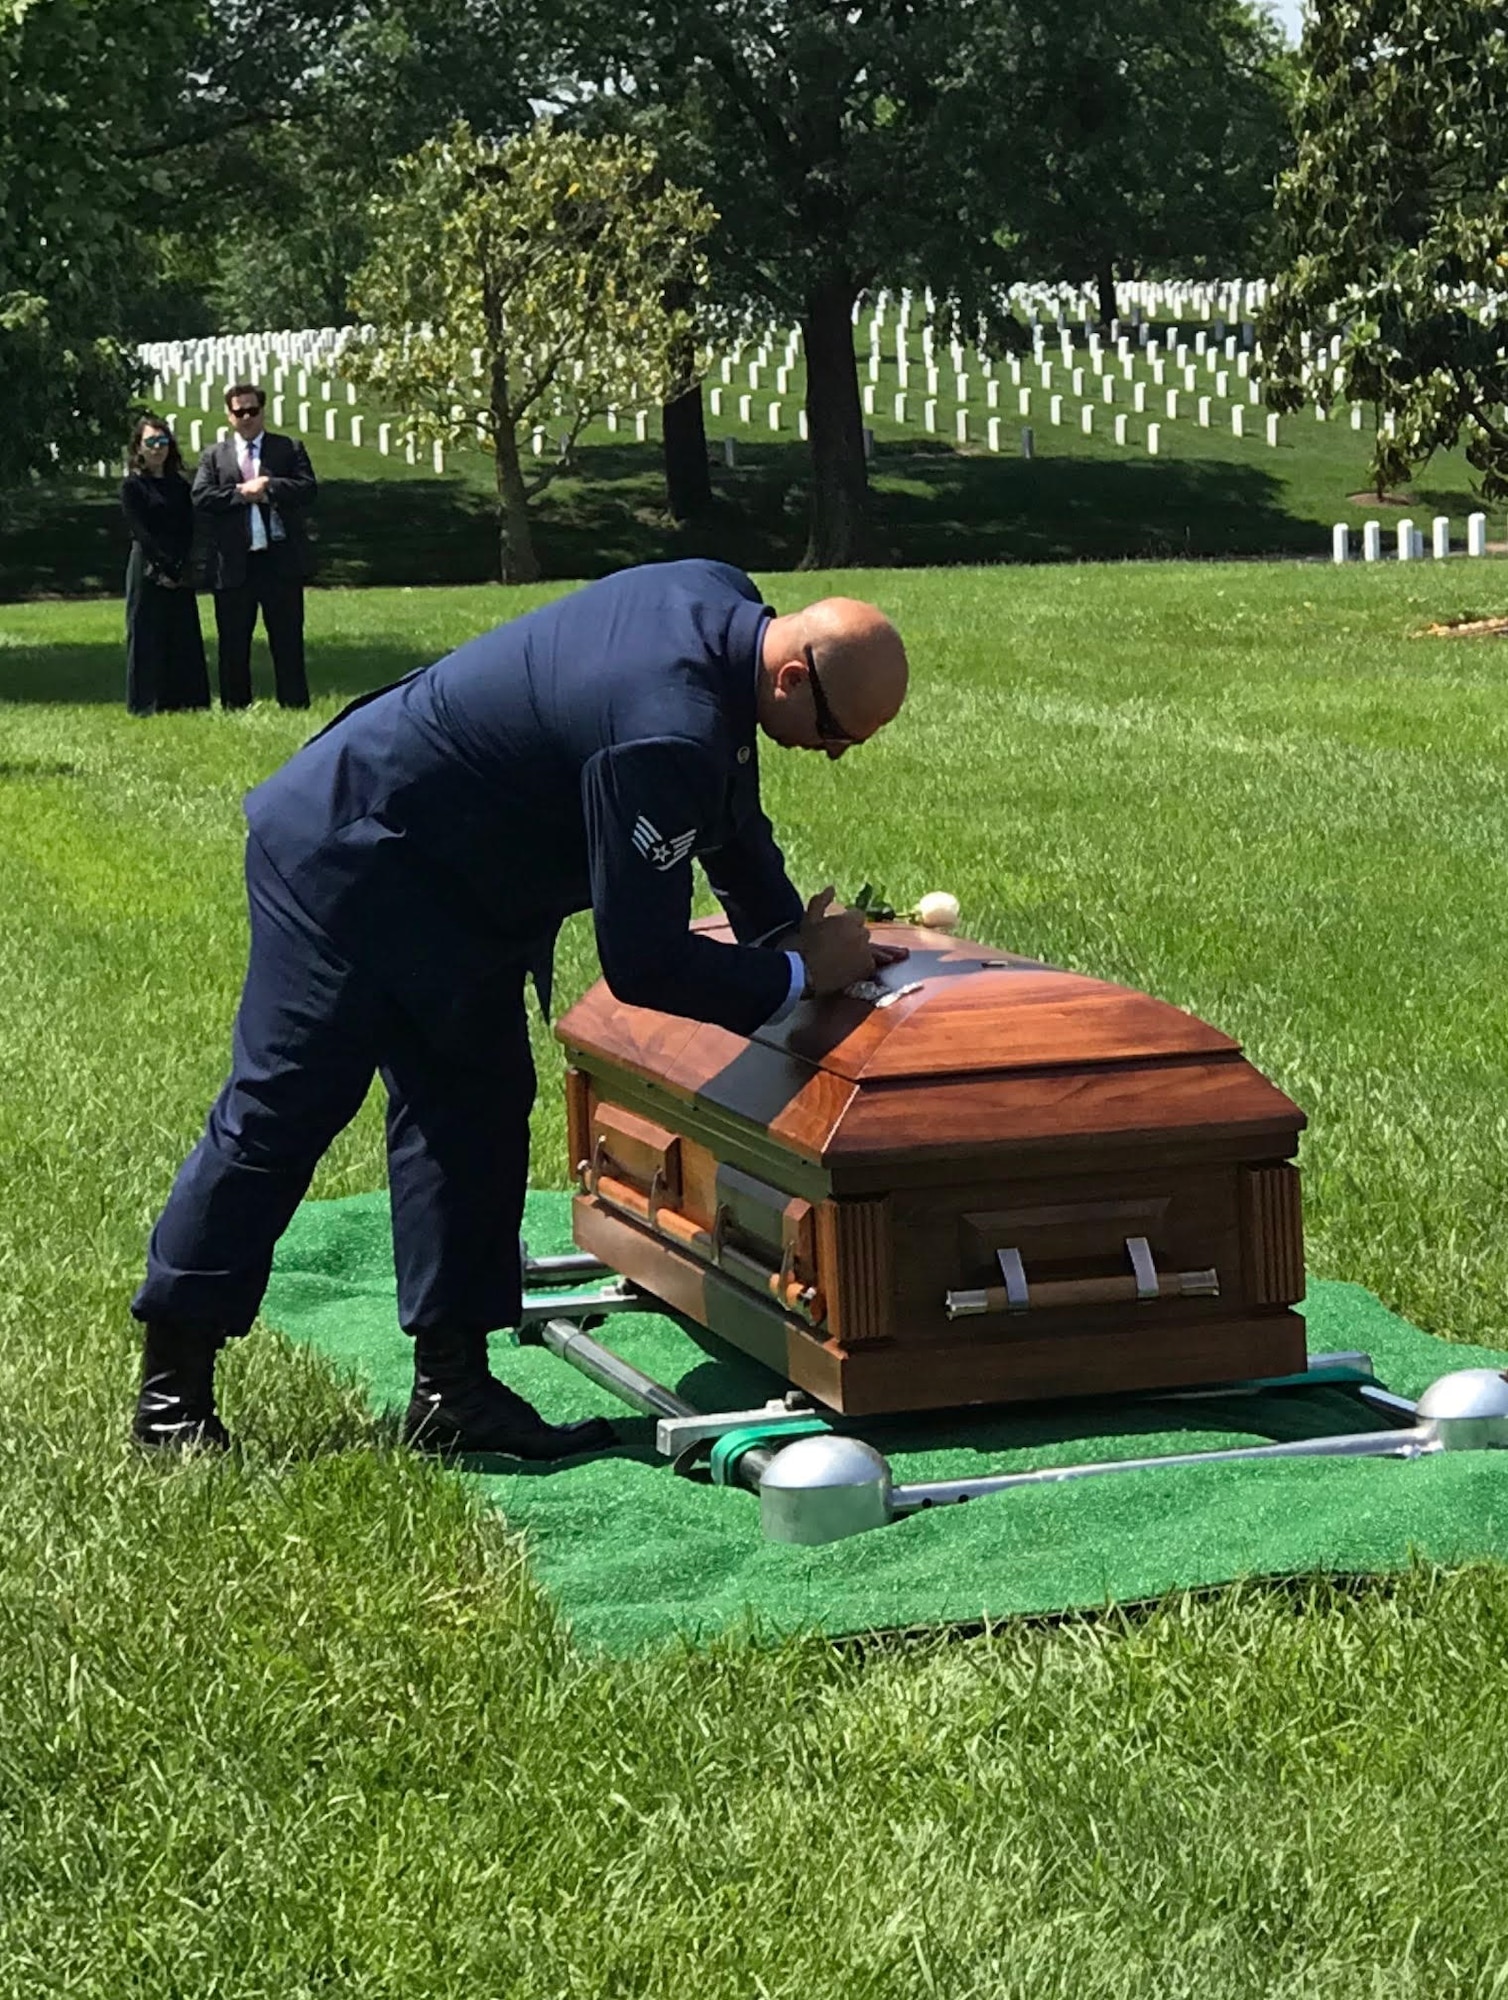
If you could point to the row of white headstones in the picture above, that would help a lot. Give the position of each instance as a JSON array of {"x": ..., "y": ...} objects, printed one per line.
[
  {"x": 1173, "y": 364},
  {"x": 1409, "y": 540},
  {"x": 1146, "y": 357}
]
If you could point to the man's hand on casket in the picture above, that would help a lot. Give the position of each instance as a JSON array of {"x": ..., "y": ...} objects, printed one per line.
[{"x": 837, "y": 948}]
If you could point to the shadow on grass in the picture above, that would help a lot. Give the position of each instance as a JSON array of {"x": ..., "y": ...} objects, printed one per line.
[
  {"x": 95, "y": 674},
  {"x": 931, "y": 505}
]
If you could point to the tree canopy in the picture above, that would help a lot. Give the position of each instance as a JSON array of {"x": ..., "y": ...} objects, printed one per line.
[
  {"x": 525, "y": 284},
  {"x": 1394, "y": 229}
]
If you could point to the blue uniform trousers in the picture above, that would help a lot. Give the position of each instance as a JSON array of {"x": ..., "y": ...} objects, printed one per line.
[{"x": 311, "y": 1032}]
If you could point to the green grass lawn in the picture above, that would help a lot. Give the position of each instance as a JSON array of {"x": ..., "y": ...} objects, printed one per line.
[
  {"x": 382, "y": 521},
  {"x": 303, "y": 1723}
]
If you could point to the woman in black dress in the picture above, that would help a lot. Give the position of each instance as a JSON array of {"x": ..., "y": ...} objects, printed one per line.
[{"x": 164, "y": 647}]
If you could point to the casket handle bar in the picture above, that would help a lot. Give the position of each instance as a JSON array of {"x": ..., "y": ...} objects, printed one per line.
[
  {"x": 711, "y": 1245},
  {"x": 1142, "y": 1284}
]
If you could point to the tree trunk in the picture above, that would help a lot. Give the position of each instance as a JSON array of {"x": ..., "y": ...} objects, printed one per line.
[
  {"x": 688, "y": 484},
  {"x": 1105, "y": 279},
  {"x": 838, "y": 533},
  {"x": 517, "y": 561}
]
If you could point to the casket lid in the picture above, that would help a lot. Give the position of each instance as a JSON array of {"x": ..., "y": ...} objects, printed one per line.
[{"x": 954, "y": 1008}]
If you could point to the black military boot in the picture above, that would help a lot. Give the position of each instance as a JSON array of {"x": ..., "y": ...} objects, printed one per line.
[
  {"x": 458, "y": 1405},
  {"x": 176, "y": 1408}
]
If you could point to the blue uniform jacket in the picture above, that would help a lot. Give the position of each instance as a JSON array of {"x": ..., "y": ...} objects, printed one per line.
[{"x": 576, "y": 757}]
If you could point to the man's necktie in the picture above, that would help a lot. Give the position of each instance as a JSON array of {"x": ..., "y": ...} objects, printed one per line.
[{"x": 258, "y": 512}]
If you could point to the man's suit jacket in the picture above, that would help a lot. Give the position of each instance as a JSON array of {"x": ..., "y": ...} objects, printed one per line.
[
  {"x": 291, "y": 488},
  {"x": 576, "y": 757}
]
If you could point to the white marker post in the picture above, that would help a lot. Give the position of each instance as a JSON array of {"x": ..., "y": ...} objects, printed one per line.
[
  {"x": 1340, "y": 542},
  {"x": 1405, "y": 541},
  {"x": 1476, "y": 534},
  {"x": 1440, "y": 537},
  {"x": 1371, "y": 542}
]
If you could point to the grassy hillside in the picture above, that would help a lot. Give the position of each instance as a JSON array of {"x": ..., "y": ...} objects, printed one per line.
[{"x": 303, "y": 1722}]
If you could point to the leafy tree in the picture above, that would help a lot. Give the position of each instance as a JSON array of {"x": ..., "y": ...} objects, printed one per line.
[
  {"x": 1394, "y": 229},
  {"x": 550, "y": 259},
  {"x": 72, "y": 96},
  {"x": 1161, "y": 128},
  {"x": 844, "y": 147}
]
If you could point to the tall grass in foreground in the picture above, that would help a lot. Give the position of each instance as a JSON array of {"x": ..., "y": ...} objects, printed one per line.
[{"x": 303, "y": 1723}]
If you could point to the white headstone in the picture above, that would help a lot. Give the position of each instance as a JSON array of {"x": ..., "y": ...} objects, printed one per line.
[
  {"x": 641, "y": 426},
  {"x": 1405, "y": 541},
  {"x": 961, "y": 426},
  {"x": 1154, "y": 439},
  {"x": 1237, "y": 421},
  {"x": 330, "y": 416},
  {"x": 1028, "y": 443},
  {"x": 1055, "y": 409},
  {"x": 802, "y": 426},
  {"x": 1371, "y": 542},
  {"x": 277, "y": 411},
  {"x": 929, "y": 415},
  {"x": 384, "y": 439},
  {"x": 410, "y": 452},
  {"x": 753, "y": 374},
  {"x": 1086, "y": 419},
  {"x": 1204, "y": 413},
  {"x": 351, "y": 394},
  {"x": 1440, "y": 537},
  {"x": 1109, "y": 388},
  {"x": 774, "y": 416},
  {"x": 745, "y": 409},
  {"x": 961, "y": 383},
  {"x": 437, "y": 456},
  {"x": 1120, "y": 429},
  {"x": 303, "y": 416},
  {"x": 900, "y": 406},
  {"x": 1356, "y": 416},
  {"x": 1272, "y": 432},
  {"x": 992, "y": 433},
  {"x": 1340, "y": 543},
  {"x": 356, "y": 432},
  {"x": 1476, "y": 534}
]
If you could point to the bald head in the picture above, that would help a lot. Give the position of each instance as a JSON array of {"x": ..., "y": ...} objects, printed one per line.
[{"x": 860, "y": 679}]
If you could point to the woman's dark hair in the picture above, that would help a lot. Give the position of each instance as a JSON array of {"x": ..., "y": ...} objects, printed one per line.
[{"x": 174, "y": 460}]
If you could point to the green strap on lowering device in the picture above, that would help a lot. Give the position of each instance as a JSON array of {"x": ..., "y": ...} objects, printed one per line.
[{"x": 733, "y": 1445}]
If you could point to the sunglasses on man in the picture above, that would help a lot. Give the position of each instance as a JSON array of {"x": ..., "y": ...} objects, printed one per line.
[
  {"x": 248, "y": 410},
  {"x": 828, "y": 726}
]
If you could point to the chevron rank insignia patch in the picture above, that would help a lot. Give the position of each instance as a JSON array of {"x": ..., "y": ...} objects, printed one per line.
[{"x": 659, "y": 851}]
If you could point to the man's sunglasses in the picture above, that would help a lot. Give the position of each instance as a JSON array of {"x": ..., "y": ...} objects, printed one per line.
[
  {"x": 828, "y": 726},
  {"x": 155, "y": 444},
  {"x": 248, "y": 410}
]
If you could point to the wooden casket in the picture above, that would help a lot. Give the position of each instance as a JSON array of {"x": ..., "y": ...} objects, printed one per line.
[{"x": 994, "y": 1182}]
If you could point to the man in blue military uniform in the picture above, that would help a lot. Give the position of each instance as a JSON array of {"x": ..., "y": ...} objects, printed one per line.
[{"x": 408, "y": 868}]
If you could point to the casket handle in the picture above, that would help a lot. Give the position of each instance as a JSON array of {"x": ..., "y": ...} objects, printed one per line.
[{"x": 1142, "y": 1284}]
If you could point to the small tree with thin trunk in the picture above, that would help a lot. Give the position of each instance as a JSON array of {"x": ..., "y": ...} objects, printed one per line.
[{"x": 527, "y": 285}]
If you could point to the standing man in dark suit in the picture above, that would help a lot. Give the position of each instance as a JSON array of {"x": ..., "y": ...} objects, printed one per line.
[
  {"x": 253, "y": 489},
  {"x": 406, "y": 870}
]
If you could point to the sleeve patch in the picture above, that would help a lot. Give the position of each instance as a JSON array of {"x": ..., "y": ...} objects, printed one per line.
[{"x": 660, "y": 851}]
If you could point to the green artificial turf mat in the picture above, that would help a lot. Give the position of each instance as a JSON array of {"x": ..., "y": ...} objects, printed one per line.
[{"x": 636, "y": 1555}]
